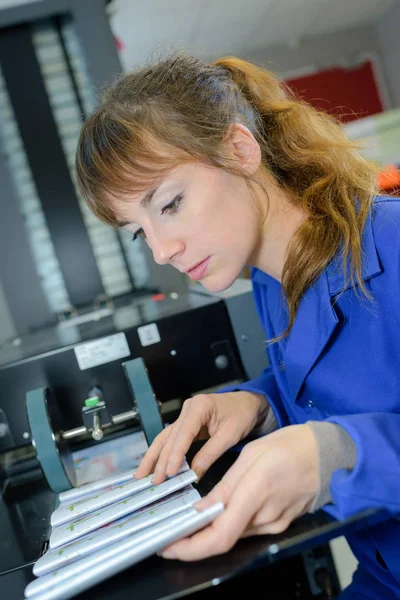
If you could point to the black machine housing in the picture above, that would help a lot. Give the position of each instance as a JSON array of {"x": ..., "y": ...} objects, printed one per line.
[{"x": 197, "y": 350}]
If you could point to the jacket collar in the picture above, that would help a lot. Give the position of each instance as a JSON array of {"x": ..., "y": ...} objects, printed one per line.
[
  {"x": 316, "y": 319},
  {"x": 338, "y": 277}
]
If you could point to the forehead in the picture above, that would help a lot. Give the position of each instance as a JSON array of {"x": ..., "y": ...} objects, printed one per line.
[
  {"x": 180, "y": 178},
  {"x": 124, "y": 204}
]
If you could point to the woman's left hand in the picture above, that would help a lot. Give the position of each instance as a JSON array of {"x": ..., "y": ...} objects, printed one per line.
[{"x": 274, "y": 480}]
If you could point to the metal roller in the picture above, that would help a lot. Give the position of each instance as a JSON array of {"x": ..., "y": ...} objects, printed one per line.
[
  {"x": 146, "y": 403},
  {"x": 54, "y": 456},
  {"x": 51, "y": 442}
]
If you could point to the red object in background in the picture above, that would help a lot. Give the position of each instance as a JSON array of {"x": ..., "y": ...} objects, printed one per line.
[
  {"x": 158, "y": 297},
  {"x": 389, "y": 180},
  {"x": 347, "y": 93},
  {"x": 120, "y": 45}
]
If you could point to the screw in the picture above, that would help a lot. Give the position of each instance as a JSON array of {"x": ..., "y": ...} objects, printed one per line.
[
  {"x": 221, "y": 362},
  {"x": 97, "y": 433}
]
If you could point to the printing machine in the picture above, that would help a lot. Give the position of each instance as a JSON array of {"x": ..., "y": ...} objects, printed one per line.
[{"x": 97, "y": 378}]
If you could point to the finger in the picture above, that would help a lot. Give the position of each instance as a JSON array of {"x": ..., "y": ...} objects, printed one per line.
[
  {"x": 219, "y": 537},
  {"x": 200, "y": 545},
  {"x": 280, "y": 508},
  {"x": 149, "y": 460},
  {"x": 187, "y": 428},
  {"x": 243, "y": 495},
  {"x": 244, "y": 490},
  {"x": 215, "y": 447},
  {"x": 160, "y": 470},
  {"x": 278, "y": 526},
  {"x": 163, "y": 467},
  {"x": 223, "y": 489},
  {"x": 268, "y": 515},
  {"x": 275, "y": 515}
]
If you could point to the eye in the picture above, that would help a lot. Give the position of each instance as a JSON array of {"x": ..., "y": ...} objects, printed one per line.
[
  {"x": 173, "y": 206},
  {"x": 138, "y": 234}
]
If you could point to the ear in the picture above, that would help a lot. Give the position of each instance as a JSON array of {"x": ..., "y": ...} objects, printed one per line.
[{"x": 244, "y": 148}]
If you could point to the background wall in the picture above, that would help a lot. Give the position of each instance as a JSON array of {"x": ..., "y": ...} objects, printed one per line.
[{"x": 387, "y": 32}]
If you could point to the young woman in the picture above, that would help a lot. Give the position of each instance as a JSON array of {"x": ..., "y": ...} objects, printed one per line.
[{"x": 217, "y": 166}]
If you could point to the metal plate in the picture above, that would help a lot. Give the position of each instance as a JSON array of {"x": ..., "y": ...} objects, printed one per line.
[
  {"x": 55, "y": 459},
  {"x": 146, "y": 402}
]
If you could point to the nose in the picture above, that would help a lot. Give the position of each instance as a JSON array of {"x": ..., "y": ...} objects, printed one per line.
[{"x": 164, "y": 250}]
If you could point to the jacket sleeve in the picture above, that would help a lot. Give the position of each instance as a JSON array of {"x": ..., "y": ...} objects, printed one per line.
[
  {"x": 375, "y": 480},
  {"x": 264, "y": 384}
]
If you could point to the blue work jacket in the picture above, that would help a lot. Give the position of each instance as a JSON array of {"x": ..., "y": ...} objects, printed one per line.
[{"x": 341, "y": 364}]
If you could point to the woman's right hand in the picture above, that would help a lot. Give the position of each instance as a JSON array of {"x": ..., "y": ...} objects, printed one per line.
[{"x": 225, "y": 418}]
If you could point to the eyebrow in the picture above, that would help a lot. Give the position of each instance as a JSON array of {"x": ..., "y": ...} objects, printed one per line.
[{"x": 145, "y": 201}]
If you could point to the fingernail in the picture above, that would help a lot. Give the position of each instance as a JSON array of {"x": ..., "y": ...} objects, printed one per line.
[
  {"x": 155, "y": 480},
  {"x": 170, "y": 470},
  {"x": 199, "y": 473}
]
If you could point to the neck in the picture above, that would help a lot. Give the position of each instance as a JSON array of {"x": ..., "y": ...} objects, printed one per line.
[{"x": 282, "y": 220}]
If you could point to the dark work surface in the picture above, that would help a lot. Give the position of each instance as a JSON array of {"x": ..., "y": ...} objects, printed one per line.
[
  {"x": 13, "y": 583},
  {"x": 156, "y": 579},
  {"x": 24, "y": 525}
]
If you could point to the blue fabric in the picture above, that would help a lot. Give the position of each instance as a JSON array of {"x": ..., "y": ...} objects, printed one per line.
[
  {"x": 341, "y": 363},
  {"x": 365, "y": 587}
]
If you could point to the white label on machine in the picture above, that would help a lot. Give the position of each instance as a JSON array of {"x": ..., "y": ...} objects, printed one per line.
[
  {"x": 149, "y": 334},
  {"x": 101, "y": 351}
]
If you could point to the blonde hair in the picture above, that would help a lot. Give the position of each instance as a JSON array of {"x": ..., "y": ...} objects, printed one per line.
[{"x": 179, "y": 110}]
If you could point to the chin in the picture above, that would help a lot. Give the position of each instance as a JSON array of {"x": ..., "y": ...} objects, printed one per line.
[{"x": 216, "y": 284}]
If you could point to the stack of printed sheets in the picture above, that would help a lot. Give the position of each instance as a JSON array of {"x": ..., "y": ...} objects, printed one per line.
[{"x": 105, "y": 526}]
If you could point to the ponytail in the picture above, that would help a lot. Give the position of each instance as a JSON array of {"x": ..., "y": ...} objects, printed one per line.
[{"x": 310, "y": 156}]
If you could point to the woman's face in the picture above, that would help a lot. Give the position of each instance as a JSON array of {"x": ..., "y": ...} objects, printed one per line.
[{"x": 201, "y": 220}]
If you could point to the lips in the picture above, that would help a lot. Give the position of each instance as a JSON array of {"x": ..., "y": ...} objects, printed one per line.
[
  {"x": 194, "y": 267},
  {"x": 198, "y": 271}
]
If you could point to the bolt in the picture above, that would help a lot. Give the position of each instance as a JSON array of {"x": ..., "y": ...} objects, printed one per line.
[
  {"x": 97, "y": 433},
  {"x": 221, "y": 362}
]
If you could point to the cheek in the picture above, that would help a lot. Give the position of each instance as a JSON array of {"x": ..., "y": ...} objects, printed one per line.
[
  {"x": 223, "y": 220},
  {"x": 238, "y": 228}
]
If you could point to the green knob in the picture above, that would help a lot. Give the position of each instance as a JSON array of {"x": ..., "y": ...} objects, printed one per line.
[{"x": 92, "y": 401}]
